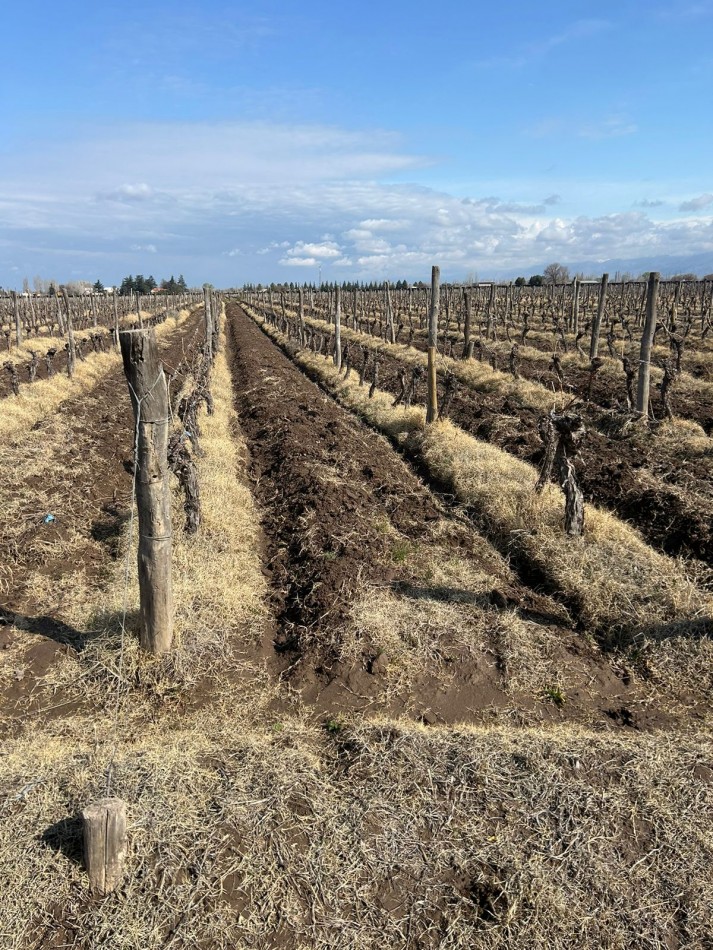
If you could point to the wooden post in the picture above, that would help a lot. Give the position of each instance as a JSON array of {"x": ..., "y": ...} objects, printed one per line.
[
  {"x": 338, "y": 329},
  {"x": 596, "y": 325},
  {"x": 302, "y": 316},
  {"x": 575, "y": 305},
  {"x": 432, "y": 393},
  {"x": 18, "y": 324},
  {"x": 71, "y": 355},
  {"x": 105, "y": 844},
  {"x": 642, "y": 393},
  {"x": 389, "y": 315},
  {"x": 138, "y": 310},
  {"x": 466, "y": 330},
  {"x": 149, "y": 398},
  {"x": 208, "y": 323},
  {"x": 116, "y": 318}
]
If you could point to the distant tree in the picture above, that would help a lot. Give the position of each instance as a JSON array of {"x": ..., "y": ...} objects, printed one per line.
[
  {"x": 98, "y": 287},
  {"x": 536, "y": 280},
  {"x": 520, "y": 281},
  {"x": 52, "y": 291},
  {"x": 707, "y": 277},
  {"x": 182, "y": 286},
  {"x": 556, "y": 274},
  {"x": 688, "y": 276}
]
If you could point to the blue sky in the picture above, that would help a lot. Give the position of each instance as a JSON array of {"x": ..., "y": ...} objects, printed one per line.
[{"x": 262, "y": 141}]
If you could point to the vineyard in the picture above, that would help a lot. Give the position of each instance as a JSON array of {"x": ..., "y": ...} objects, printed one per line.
[{"x": 418, "y": 652}]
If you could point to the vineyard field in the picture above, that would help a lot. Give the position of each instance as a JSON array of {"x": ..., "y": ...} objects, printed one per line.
[{"x": 410, "y": 700}]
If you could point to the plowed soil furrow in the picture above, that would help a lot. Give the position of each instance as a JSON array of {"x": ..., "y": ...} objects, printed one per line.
[
  {"x": 324, "y": 482},
  {"x": 692, "y": 404},
  {"x": 676, "y": 517},
  {"x": 672, "y": 505},
  {"x": 326, "y": 485}
]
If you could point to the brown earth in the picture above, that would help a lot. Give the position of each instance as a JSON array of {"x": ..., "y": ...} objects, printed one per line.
[
  {"x": 93, "y": 504},
  {"x": 325, "y": 482},
  {"x": 620, "y": 469}
]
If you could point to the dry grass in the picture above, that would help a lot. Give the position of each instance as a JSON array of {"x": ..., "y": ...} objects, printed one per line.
[
  {"x": 214, "y": 620},
  {"x": 540, "y": 397},
  {"x": 250, "y": 833},
  {"x": 620, "y": 589},
  {"x": 255, "y": 832},
  {"x": 42, "y": 398}
]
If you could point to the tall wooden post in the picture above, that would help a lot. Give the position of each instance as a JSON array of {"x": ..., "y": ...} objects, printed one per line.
[
  {"x": 597, "y": 323},
  {"x": 575, "y": 305},
  {"x": 302, "y": 315},
  {"x": 389, "y": 315},
  {"x": 71, "y": 354},
  {"x": 338, "y": 328},
  {"x": 18, "y": 324},
  {"x": 466, "y": 329},
  {"x": 432, "y": 393},
  {"x": 149, "y": 398},
  {"x": 647, "y": 339},
  {"x": 116, "y": 318},
  {"x": 208, "y": 323}
]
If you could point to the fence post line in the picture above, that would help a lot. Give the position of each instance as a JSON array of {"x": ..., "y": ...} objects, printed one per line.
[
  {"x": 597, "y": 324},
  {"x": 149, "y": 399},
  {"x": 432, "y": 394},
  {"x": 642, "y": 392}
]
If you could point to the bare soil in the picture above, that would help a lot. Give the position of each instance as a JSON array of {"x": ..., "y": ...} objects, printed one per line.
[
  {"x": 91, "y": 503},
  {"x": 325, "y": 482}
]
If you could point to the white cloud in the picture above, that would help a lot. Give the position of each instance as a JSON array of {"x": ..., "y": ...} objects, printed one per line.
[
  {"x": 697, "y": 204},
  {"x": 299, "y": 261},
  {"x": 326, "y": 250},
  {"x": 246, "y": 200}
]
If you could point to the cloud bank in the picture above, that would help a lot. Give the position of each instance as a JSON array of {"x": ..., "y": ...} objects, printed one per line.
[{"x": 230, "y": 202}]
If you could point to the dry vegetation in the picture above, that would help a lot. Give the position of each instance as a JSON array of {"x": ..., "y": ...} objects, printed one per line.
[{"x": 255, "y": 823}]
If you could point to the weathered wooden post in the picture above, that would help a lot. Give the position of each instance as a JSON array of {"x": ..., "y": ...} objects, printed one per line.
[
  {"x": 105, "y": 844},
  {"x": 149, "y": 399},
  {"x": 642, "y": 393},
  {"x": 575, "y": 304},
  {"x": 18, "y": 324},
  {"x": 432, "y": 389},
  {"x": 116, "y": 319},
  {"x": 338, "y": 329},
  {"x": 597, "y": 323},
  {"x": 71, "y": 349},
  {"x": 389, "y": 315},
  {"x": 208, "y": 323},
  {"x": 302, "y": 315},
  {"x": 466, "y": 329}
]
